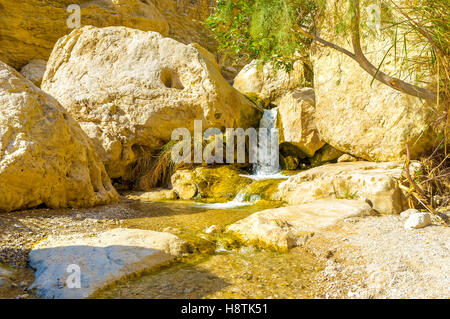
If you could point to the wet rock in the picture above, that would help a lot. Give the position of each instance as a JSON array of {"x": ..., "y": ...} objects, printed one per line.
[
  {"x": 289, "y": 162},
  {"x": 376, "y": 182},
  {"x": 418, "y": 220},
  {"x": 221, "y": 182},
  {"x": 99, "y": 260},
  {"x": 281, "y": 228}
]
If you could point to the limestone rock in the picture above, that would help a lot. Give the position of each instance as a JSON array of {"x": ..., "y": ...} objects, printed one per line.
[
  {"x": 346, "y": 158},
  {"x": 101, "y": 259},
  {"x": 289, "y": 162},
  {"x": 376, "y": 182},
  {"x": 326, "y": 154},
  {"x": 223, "y": 182},
  {"x": 296, "y": 121},
  {"x": 34, "y": 71},
  {"x": 154, "y": 195},
  {"x": 186, "y": 21},
  {"x": 45, "y": 157},
  {"x": 367, "y": 120},
  {"x": 266, "y": 84},
  {"x": 130, "y": 89},
  {"x": 418, "y": 220},
  {"x": 281, "y": 228},
  {"x": 405, "y": 214},
  {"x": 30, "y": 30}
]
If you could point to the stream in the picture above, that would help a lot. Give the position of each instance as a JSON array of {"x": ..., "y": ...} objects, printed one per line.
[{"x": 219, "y": 267}]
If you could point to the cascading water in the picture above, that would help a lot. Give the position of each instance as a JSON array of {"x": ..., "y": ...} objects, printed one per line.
[
  {"x": 240, "y": 200},
  {"x": 267, "y": 164}
]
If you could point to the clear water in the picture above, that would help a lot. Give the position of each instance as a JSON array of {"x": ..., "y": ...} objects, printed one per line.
[{"x": 219, "y": 267}]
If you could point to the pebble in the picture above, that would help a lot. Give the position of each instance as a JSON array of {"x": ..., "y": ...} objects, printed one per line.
[
  {"x": 418, "y": 220},
  {"x": 405, "y": 214}
]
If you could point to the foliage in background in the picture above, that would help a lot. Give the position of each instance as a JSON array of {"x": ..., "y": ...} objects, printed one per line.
[
  {"x": 260, "y": 29},
  {"x": 277, "y": 30}
]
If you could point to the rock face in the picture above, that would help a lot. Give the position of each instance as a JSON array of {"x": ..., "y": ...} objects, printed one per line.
[
  {"x": 45, "y": 157},
  {"x": 130, "y": 89},
  {"x": 369, "y": 121},
  {"x": 186, "y": 21},
  {"x": 34, "y": 71},
  {"x": 23, "y": 39},
  {"x": 359, "y": 180},
  {"x": 223, "y": 182},
  {"x": 100, "y": 260},
  {"x": 296, "y": 121},
  {"x": 267, "y": 85},
  {"x": 282, "y": 228}
]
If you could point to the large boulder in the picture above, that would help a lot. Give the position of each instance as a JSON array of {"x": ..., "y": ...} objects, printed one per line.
[
  {"x": 286, "y": 227},
  {"x": 296, "y": 121},
  {"x": 30, "y": 30},
  {"x": 45, "y": 157},
  {"x": 130, "y": 89},
  {"x": 99, "y": 260},
  {"x": 367, "y": 120},
  {"x": 267, "y": 84},
  {"x": 375, "y": 182}
]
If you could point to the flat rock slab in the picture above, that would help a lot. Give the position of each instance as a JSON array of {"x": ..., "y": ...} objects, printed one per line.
[
  {"x": 97, "y": 261},
  {"x": 282, "y": 227},
  {"x": 377, "y": 182}
]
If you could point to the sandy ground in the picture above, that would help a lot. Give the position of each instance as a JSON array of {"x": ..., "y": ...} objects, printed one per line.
[
  {"x": 370, "y": 257},
  {"x": 375, "y": 257}
]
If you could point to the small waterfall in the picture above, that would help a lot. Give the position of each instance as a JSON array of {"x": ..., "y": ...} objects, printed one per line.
[{"x": 267, "y": 165}]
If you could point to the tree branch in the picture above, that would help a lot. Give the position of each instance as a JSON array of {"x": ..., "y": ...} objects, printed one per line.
[
  {"x": 365, "y": 64},
  {"x": 393, "y": 82}
]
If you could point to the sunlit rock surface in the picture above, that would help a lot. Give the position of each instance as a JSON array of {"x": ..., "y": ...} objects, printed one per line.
[
  {"x": 130, "y": 89},
  {"x": 376, "y": 182},
  {"x": 30, "y": 30},
  {"x": 367, "y": 118},
  {"x": 267, "y": 84},
  {"x": 296, "y": 113},
  {"x": 286, "y": 227},
  {"x": 45, "y": 157},
  {"x": 100, "y": 260}
]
